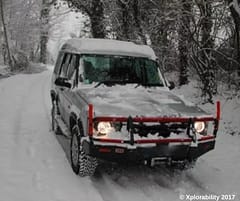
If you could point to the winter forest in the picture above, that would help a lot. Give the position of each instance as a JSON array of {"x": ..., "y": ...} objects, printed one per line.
[
  {"x": 189, "y": 37},
  {"x": 197, "y": 44}
]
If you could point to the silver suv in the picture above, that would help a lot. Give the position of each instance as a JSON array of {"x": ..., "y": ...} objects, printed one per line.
[{"x": 111, "y": 100}]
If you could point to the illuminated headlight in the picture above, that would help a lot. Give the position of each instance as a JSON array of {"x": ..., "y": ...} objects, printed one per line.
[
  {"x": 199, "y": 126},
  {"x": 104, "y": 128}
]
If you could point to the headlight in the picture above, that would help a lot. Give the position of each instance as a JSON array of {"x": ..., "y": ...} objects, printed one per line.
[
  {"x": 103, "y": 128},
  {"x": 199, "y": 126}
]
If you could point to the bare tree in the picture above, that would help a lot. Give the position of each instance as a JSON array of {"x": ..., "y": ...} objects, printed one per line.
[
  {"x": 202, "y": 56},
  {"x": 10, "y": 63}
]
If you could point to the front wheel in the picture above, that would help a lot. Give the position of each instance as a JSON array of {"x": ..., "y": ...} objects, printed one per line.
[{"x": 82, "y": 164}]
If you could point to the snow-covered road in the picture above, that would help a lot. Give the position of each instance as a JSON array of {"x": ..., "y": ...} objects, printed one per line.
[{"x": 34, "y": 167}]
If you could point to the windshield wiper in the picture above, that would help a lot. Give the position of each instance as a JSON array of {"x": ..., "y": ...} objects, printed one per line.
[
  {"x": 149, "y": 85},
  {"x": 113, "y": 82},
  {"x": 106, "y": 82},
  {"x": 153, "y": 85},
  {"x": 110, "y": 82}
]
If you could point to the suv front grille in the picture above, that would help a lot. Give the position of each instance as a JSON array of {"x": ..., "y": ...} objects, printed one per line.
[{"x": 163, "y": 130}]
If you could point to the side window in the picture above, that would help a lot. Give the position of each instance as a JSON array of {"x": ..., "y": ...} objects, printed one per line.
[
  {"x": 58, "y": 62},
  {"x": 81, "y": 73},
  {"x": 72, "y": 67},
  {"x": 65, "y": 65},
  {"x": 73, "y": 70}
]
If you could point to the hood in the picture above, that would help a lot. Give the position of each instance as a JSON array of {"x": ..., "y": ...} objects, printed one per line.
[{"x": 129, "y": 100}]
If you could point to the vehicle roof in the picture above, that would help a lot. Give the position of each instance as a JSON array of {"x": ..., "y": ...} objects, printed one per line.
[{"x": 107, "y": 47}]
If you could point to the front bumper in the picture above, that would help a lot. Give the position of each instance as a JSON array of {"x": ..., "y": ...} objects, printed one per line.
[
  {"x": 176, "y": 150},
  {"x": 187, "y": 148}
]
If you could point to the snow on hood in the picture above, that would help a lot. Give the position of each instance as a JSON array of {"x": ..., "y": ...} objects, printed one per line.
[{"x": 129, "y": 100}]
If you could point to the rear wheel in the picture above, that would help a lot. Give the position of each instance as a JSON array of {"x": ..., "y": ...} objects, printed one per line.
[
  {"x": 55, "y": 128},
  {"x": 81, "y": 163}
]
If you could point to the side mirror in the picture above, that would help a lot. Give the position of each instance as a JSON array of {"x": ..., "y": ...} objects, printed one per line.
[
  {"x": 62, "y": 82},
  {"x": 171, "y": 85}
]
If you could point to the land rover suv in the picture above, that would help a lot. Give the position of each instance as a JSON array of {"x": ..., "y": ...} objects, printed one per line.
[{"x": 110, "y": 99}]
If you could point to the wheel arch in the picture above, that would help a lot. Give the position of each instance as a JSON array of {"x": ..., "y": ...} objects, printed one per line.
[
  {"x": 81, "y": 128},
  {"x": 74, "y": 120}
]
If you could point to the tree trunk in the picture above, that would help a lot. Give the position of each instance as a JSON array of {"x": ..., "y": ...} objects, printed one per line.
[
  {"x": 97, "y": 19},
  {"x": 183, "y": 42},
  {"x": 137, "y": 20},
  {"x": 44, "y": 30},
  {"x": 43, "y": 47},
  {"x": 209, "y": 72},
  {"x": 10, "y": 63},
  {"x": 238, "y": 42},
  {"x": 124, "y": 31}
]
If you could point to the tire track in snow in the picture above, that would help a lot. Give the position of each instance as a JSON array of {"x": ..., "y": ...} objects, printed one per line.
[
  {"x": 122, "y": 189},
  {"x": 145, "y": 179},
  {"x": 37, "y": 84},
  {"x": 134, "y": 183},
  {"x": 156, "y": 184},
  {"x": 142, "y": 178},
  {"x": 104, "y": 190},
  {"x": 19, "y": 115},
  {"x": 19, "y": 132},
  {"x": 45, "y": 90},
  {"x": 183, "y": 181},
  {"x": 24, "y": 129},
  {"x": 179, "y": 181},
  {"x": 26, "y": 116}
]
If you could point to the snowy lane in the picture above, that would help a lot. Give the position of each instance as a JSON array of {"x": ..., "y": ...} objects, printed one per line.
[{"x": 34, "y": 166}]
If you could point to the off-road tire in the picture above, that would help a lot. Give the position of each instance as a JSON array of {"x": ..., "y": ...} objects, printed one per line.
[
  {"x": 55, "y": 128},
  {"x": 82, "y": 164}
]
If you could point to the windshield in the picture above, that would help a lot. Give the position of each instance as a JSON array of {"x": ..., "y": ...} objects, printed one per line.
[{"x": 120, "y": 70}]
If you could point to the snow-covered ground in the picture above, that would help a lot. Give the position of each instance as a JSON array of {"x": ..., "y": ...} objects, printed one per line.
[{"x": 34, "y": 167}]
